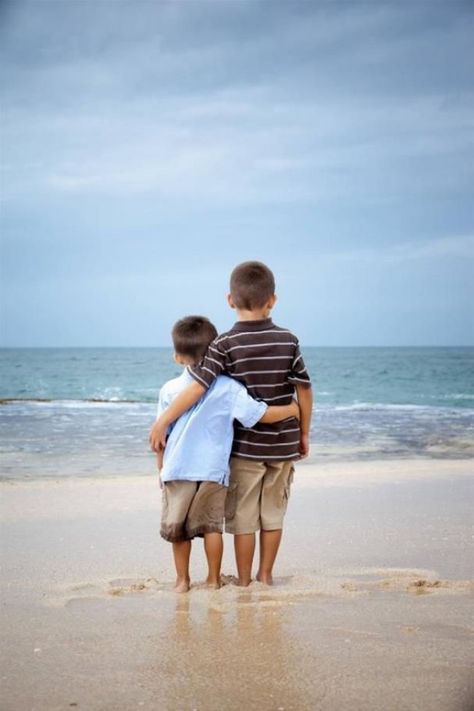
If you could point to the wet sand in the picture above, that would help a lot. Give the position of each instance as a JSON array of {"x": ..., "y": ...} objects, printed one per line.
[{"x": 372, "y": 606}]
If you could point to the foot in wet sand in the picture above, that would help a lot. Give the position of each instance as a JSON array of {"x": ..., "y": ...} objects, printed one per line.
[
  {"x": 243, "y": 582},
  {"x": 182, "y": 585},
  {"x": 213, "y": 583},
  {"x": 265, "y": 578}
]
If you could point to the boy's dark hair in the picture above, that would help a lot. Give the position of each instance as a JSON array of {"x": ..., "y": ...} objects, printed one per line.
[
  {"x": 251, "y": 285},
  {"x": 191, "y": 336}
]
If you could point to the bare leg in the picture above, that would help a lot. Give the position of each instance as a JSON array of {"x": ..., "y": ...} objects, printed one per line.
[
  {"x": 269, "y": 544},
  {"x": 244, "y": 546},
  {"x": 214, "y": 547},
  {"x": 181, "y": 553}
]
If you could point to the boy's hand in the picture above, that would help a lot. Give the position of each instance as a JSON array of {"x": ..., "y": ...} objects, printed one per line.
[
  {"x": 295, "y": 409},
  {"x": 157, "y": 436},
  {"x": 305, "y": 399},
  {"x": 186, "y": 399},
  {"x": 304, "y": 445}
]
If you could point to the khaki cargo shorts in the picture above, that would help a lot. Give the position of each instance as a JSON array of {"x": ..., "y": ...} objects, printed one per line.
[
  {"x": 191, "y": 508},
  {"x": 258, "y": 495}
]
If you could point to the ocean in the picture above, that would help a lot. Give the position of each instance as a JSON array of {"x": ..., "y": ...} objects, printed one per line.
[{"x": 87, "y": 411}]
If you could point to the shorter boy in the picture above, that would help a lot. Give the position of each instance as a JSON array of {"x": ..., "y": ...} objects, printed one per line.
[{"x": 194, "y": 467}]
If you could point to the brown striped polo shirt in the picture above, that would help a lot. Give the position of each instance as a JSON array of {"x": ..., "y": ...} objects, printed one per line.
[{"x": 267, "y": 360}]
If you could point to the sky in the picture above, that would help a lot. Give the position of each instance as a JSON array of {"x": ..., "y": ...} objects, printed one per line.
[{"x": 148, "y": 147}]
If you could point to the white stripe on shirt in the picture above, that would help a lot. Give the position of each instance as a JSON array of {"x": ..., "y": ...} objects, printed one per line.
[
  {"x": 203, "y": 367},
  {"x": 269, "y": 432},
  {"x": 211, "y": 348},
  {"x": 260, "y": 345},
  {"x": 268, "y": 456},
  {"x": 251, "y": 333},
  {"x": 242, "y": 360},
  {"x": 219, "y": 363},
  {"x": 194, "y": 375},
  {"x": 266, "y": 385},
  {"x": 260, "y": 444},
  {"x": 259, "y": 372},
  {"x": 277, "y": 397}
]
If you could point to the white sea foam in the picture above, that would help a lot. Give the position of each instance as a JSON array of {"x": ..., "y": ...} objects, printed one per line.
[{"x": 374, "y": 406}]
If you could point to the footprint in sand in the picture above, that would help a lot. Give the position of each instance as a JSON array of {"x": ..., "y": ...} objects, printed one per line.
[
  {"x": 84, "y": 588},
  {"x": 123, "y": 586},
  {"x": 409, "y": 629},
  {"x": 404, "y": 580},
  {"x": 71, "y": 594},
  {"x": 422, "y": 586}
]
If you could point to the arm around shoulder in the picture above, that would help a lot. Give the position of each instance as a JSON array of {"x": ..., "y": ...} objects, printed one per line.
[
  {"x": 186, "y": 399},
  {"x": 276, "y": 413}
]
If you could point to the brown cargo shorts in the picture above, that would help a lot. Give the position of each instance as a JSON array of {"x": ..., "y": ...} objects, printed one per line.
[
  {"x": 191, "y": 508},
  {"x": 258, "y": 495}
]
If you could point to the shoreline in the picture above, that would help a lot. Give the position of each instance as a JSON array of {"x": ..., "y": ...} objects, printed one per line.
[
  {"x": 405, "y": 467},
  {"x": 77, "y": 437}
]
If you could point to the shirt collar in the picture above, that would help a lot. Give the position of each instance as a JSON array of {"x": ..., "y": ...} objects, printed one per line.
[{"x": 258, "y": 325}]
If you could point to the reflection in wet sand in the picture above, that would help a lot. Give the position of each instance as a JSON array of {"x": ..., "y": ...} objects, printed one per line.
[{"x": 240, "y": 658}]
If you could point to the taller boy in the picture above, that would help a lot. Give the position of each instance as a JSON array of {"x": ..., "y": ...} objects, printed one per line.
[{"x": 267, "y": 360}]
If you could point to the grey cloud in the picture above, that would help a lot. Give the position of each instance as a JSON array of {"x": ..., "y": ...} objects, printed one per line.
[
  {"x": 240, "y": 147},
  {"x": 341, "y": 127},
  {"x": 299, "y": 47}
]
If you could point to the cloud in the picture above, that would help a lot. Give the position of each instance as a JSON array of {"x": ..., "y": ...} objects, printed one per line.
[
  {"x": 135, "y": 134},
  {"x": 240, "y": 147},
  {"x": 459, "y": 247},
  {"x": 230, "y": 102}
]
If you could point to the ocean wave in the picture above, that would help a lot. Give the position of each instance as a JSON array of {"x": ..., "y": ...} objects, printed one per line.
[
  {"x": 456, "y": 396},
  {"x": 318, "y": 407},
  {"x": 394, "y": 407},
  {"x": 86, "y": 402}
]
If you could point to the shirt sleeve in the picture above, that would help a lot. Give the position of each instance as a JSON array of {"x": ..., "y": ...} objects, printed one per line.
[
  {"x": 212, "y": 365},
  {"x": 298, "y": 373},
  {"x": 163, "y": 402},
  {"x": 247, "y": 410}
]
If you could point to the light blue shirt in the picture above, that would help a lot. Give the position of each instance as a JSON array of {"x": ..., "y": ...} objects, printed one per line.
[{"x": 200, "y": 441}]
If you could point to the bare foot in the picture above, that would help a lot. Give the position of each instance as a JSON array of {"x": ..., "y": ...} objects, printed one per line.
[
  {"x": 244, "y": 582},
  {"x": 182, "y": 585},
  {"x": 213, "y": 583},
  {"x": 265, "y": 578}
]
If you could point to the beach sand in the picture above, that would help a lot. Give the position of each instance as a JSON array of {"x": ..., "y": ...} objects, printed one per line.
[{"x": 372, "y": 606}]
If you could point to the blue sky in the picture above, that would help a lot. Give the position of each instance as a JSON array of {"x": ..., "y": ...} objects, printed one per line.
[{"x": 148, "y": 147}]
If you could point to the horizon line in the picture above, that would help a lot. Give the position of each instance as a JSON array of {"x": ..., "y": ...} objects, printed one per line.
[{"x": 303, "y": 345}]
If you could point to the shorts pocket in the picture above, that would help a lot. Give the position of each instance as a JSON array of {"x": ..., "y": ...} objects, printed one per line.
[
  {"x": 289, "y": 481},
  {"x": 164, "y": 502},
  {"x": 231, "y": 502}
]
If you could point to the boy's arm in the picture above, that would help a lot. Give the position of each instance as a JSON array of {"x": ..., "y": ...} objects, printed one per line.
[
  {"x": 275, "y": 413},
  {"x": 305, "y": 401},
  {"x": 249, "y": 411},
  {"x": 204, "y": 374},
  {"x": 212, "y": 365},
  {"x": 182, "y": 402},
  {"x": 298, "y": 373}
]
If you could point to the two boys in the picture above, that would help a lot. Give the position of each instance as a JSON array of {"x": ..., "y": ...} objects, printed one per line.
[{"x": 265, "y": 359}]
